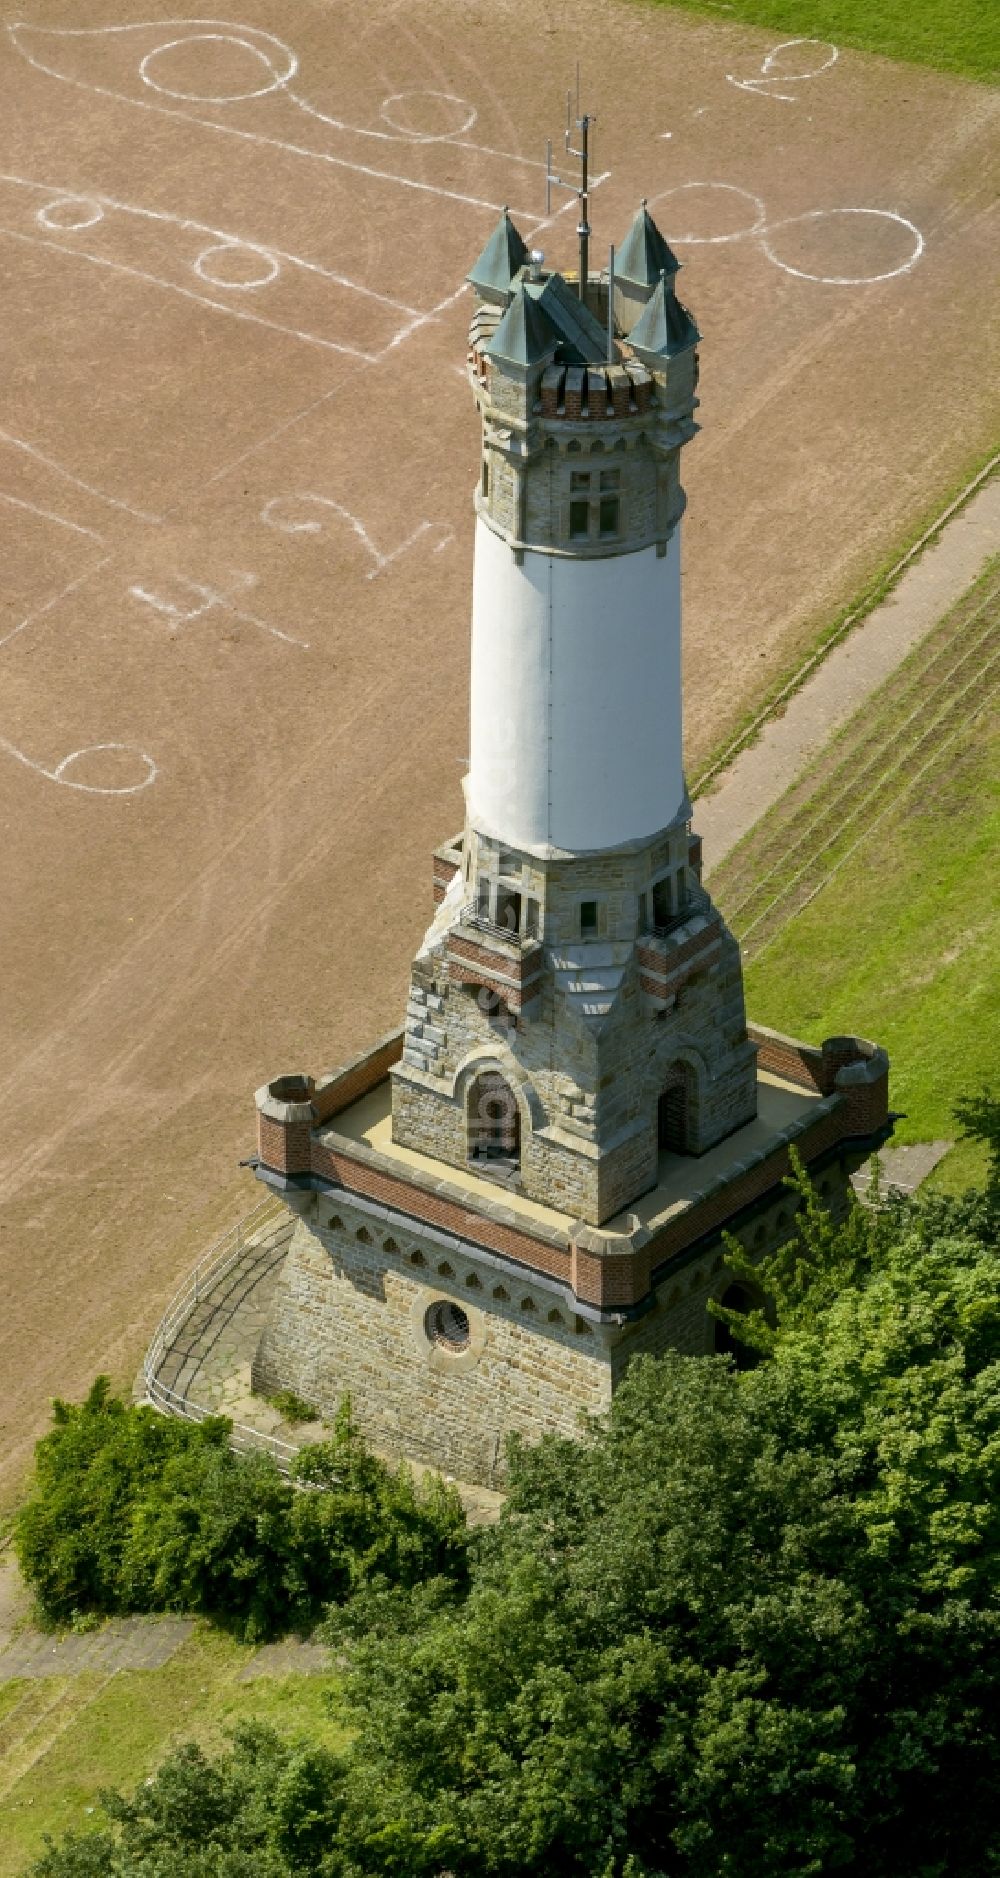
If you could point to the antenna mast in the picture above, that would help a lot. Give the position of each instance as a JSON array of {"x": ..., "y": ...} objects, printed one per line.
[{"x": 581, "y": 189}]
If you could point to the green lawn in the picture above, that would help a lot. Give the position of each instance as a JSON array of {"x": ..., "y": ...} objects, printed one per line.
[
  {"x": 901, "y": 943},
  {"x": 953, "y": 35},
  {"x": 99, "y": 1732}
]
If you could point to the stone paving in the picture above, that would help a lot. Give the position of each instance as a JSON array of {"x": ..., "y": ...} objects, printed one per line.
[
  {"x": 122, "y": 1643},
  {"x": 902, "y": 1167}
]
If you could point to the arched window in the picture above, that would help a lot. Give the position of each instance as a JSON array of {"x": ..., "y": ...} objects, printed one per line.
[
  {"x": 674, "y": 1111},
  {"x": 736, "y": 1298},
  {"x": 494, "y": 1121}
]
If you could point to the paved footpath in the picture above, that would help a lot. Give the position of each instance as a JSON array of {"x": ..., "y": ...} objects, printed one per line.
[
  {"x": 121, "y": 1643},
  {"x": 855, "y": 669}
]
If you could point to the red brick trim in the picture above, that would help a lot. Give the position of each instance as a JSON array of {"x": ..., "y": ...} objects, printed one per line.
[
  {"x": 357, "y": 1177},
  {"x": 344, "y": 1086}
]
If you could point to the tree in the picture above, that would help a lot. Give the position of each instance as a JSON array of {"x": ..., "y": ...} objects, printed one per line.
[
  {"x": 133, "y": 1511},
  {"x": 747, "y": 1628},
  {"x": 978, "y": 1117}
]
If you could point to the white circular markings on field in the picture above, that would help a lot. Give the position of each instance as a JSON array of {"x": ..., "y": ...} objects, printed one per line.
[
  {"x": 760, "y": 229},
  {"x": 464, "y": 110},
  {"x": 277, "y": 77},
  {"x": 724, "y": 191},
  {"x": 772, "y": 73},
  {"x": 58, "y": 773},
  {"x": 845, "y": 280},
  {"x": 69, "y": 213},
  {"x": 243, "y": 254}
]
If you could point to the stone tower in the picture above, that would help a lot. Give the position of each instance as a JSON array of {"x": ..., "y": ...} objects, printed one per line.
[
  {"x": 595, "y": 1002},
  {"x": 528, "y": 1183}
]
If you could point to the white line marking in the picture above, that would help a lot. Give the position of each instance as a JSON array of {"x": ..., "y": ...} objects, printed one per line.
[
  {"x": 232, "y": 130},
  {"x": 200, "y": 299},
  {"x": 270, "y": 270},
  {"x": 761, "y": 229},
  {"x": 114, "y": 502},
  {"x": 223, "y": 236},
  {"x": 209, "y": 598},
  {"x": 200, "y": 97},
  {"x": 30, "y": 618},
  {"x": 845, "y": 280},
  {"x": 313, "y": 525},
  {"x": 420, "y": 136},
  {"x": 770, "y": 76},
  {"x": 47, "y": 515},
  {"x": 58, "y": 774},
  {"x": 53, "y": 216}
]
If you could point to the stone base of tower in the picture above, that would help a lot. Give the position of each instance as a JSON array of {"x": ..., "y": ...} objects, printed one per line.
[
  {"x": 453, "y": 1312},
  {"x": 349, "y": 1319}
]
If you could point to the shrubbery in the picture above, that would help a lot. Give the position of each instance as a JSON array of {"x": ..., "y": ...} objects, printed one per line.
[
  {"x": 747, "y": 1629},
  {"x": 132, "y": 1511}
]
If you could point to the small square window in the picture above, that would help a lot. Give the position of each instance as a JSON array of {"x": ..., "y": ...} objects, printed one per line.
[
  {"x": 588, "y": 918},
  {"x": 610, "y": 479},
  {"x": 609, "y": 515},
  {"x": 579, "y": 520},
  {"x": 579, "y": 479}
]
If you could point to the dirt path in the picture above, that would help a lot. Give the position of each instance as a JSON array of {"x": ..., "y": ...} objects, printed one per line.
[{"x": 852, "y": 672}]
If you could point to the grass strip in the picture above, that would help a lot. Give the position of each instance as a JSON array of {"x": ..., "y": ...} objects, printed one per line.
[
  {"x": 901, "y": 943},
  {"x": 951, "y": 35},
  {"x": 123, "y": 1731}
]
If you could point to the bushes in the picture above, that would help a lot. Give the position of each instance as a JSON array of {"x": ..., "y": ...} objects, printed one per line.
[
  {"x": 131, "y": 1511},
  {"x": 746, "y": 1628}
]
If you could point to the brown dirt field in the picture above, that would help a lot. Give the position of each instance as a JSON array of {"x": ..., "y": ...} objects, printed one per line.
[{"x": 253, "y": 909}]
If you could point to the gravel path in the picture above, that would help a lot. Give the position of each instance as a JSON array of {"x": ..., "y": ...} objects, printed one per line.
[{"x": 857, "y": 667}]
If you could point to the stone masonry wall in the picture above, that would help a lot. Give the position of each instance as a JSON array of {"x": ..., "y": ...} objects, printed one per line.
[
  {"x": 588, "y": 1091},
  {"x": 348, "y": 1318}
]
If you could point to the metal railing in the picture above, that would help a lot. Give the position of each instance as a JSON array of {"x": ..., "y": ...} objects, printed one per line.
[
  {"x": 481, "y": 922},
  {"x": 248, "y": 1234}
]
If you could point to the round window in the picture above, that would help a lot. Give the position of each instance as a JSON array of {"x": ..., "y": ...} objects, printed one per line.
[{"x": 446, "y": 1324}]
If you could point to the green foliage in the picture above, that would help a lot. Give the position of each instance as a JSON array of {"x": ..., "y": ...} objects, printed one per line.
[
  {"x": 264, "y": 1810},
  {"x": 292, "y": 1407},
  {"x": 132, "y": 1511},
  {"x": 954, "y": 35},
  {"x": 747, "y": 1628},
  {"x": 978, "y": 1117}
]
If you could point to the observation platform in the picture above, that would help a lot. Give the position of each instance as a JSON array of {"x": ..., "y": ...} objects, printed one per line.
[{"x": 335, "y": 1134}]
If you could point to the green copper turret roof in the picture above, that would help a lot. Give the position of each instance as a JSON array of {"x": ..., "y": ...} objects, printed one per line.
[
  {"x": 525, "y": 335},
  {"x": 504, "y": 255},
  {"x": 644, "y": 255},
  {"x": 664, "y": 326},
  {"x": 546, "y": 320}
]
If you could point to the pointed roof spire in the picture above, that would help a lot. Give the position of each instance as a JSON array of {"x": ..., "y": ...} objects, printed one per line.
[
  {"x": 664, "y": 326},
  {"x": 505, "y": 253},
  {"x": 644, "y": 254},
  {"x": 525, "y": 335}
]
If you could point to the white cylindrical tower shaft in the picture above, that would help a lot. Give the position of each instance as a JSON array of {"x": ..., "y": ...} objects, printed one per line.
[
  {"x": 576, "y": 695},
  {"x": 576, "y": 618}
]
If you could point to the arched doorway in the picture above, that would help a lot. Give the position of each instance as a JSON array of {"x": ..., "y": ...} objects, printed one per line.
[
  {"x": 674, "y": 1128},
  {"x": 494, "y": 1121},
  {"x": 736, "y": 1298}
]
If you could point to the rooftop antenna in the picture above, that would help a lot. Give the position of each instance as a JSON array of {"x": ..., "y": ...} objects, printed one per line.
[{"x": 581, "y": 189}]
